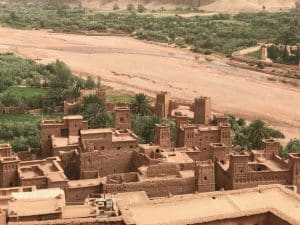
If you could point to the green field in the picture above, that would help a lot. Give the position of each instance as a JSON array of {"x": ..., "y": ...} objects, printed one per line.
[
  {"x": 26, "y": 92},
  {"x": 34, "y": 119},
  {"x": 114, "y": 97},
  {"x": 256, "y": 54}
]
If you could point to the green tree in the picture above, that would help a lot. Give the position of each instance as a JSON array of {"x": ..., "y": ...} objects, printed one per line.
[
  {"x": 256, "y": 132},
  {"x": 140, "y": 105},
  {"x": 90, "y": 83},
  {"x": 62, "y": 75},
  {"x": 292, "y": 147}
]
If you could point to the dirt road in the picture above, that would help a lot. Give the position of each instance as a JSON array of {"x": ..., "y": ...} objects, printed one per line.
[{"x": 126, "y": 63}]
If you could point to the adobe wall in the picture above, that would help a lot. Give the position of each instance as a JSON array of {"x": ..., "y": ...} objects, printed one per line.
[
  {"x": 32, "y": 154},
  {"x": 250, "y": 179},
  {"x": 155, "y": 188},
  {"x": 46, "y": 132},
  {"x": 80, "y": 193},
  {"x": 125, "y": 144},
  {"x": 69, "y": 163},
  {"x": 163, "y": 169},
  {"x": 206, "y": 138},
  {"x": 39, "y": 182},
  {"x": 258, "y": 219},
  {"x": 222, "y": 178},
  {"x": 118, "y": 220},
  {"x": 253, "y": 179},
  {"x": 141, "y": 159},
  {"x": 107, "y": 162}
]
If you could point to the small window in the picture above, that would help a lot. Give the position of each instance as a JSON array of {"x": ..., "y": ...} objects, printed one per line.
[
  {"x": 118, "y": 148},
  {"x": 205, "y": 178}
]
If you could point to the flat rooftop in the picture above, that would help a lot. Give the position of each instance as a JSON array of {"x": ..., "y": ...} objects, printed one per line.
[
  {"x": 49, "y": 168},
  {"x": 208, "y": 207},
  {"x": 58, "y": 142},
  {"x": 84, "y": 182},
  {"x": 97, "y": 131},
  {"x": 38, "y": 202},
  {"x": 177, "y": 157},
  {"x": 73, "y": 117},
  {"x": 184, "y": 110}
]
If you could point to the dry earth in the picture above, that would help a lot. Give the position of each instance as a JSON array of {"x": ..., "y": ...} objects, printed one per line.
[
  {"x": 132, "y": 65},
  {"x": 229, "y": 6}
]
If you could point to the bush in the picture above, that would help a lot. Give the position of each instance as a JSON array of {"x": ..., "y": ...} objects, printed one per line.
[
  {"x": 141, "y": 8},
  {"x": 116, "y": 7},
  {"x": 130, "y": 7}
]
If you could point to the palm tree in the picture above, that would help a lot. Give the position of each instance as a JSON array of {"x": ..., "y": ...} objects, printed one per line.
[
  {"x": 256, "y": 132},
  {"x": 141, "y": 105}
]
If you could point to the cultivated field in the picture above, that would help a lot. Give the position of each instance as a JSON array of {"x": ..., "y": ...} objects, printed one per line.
[{"x": 126, "y": 63}]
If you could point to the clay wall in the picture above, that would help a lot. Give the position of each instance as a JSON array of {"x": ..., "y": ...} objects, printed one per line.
[
  {"x": 223, "y": 180},
  {"x": 205, "y": 137},
  {"x": 125, "y": 144},
  {"x": 142, "y": 159},
  {"x": 80, "y": 193},
  {"x": 56, "y": 150},
  {"x": 186, "y": 136},
  {"x": 294, "y": 165},
  {"x": 39, "y": 182},
  {"x": 122, "y": 178},
  {"x": 75, "y": 125},
  {"x": 83, "y": 221},
  {"x": 107, "y": 162},
  {"x": 163, "y": 169},
  {"x": 89, "y": 174},
  {"x": 9, "y": 172},
  {"x": 257, "y": 219},
  {"x": 46, "y": 132},
  {"x": 32, "y": 154},
  {"x": 253, "y": 179},
  {"x": 195, "y": 156},
  {"x": 156, "y": 188}
]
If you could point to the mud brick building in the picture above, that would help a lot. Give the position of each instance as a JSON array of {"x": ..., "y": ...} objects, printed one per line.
[
  {"x": 258, "y": 167},
  {"x": 73, "y": 133},
  {"x": 238, "y": 207},
  {"x": 68, "y": 130}
]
